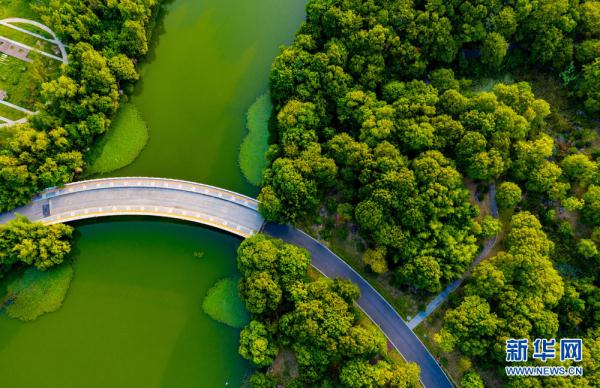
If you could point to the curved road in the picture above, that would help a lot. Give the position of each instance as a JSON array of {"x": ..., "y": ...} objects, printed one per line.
[
  {"x": 234, "y": 213},
  {"x": 371, "y": 302}
]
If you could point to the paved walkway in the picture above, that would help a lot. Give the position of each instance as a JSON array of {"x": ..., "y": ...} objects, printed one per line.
[
  {"x": 229, "y": 211},
  {"x": 15, "y": 50},
  {"x": 440, "y": 298},
  {"x": 6, "y": 122},
  {"x": 16, "y": 107},
  {"x": 371, "y": 302},
  {"x": 20, "y": 51},
  {"x": 61, "y": 47}
]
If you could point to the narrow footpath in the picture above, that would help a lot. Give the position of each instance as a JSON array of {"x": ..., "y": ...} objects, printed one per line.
[{"x": 440, "y": 298}]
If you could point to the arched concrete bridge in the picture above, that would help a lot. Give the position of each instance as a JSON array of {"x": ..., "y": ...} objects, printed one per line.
[
  {"x": 234, "y": 213},
  {"x": 195, "y": 202}
]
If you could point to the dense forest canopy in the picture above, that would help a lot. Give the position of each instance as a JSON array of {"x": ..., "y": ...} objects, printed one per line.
[
  {"x": 376, "y": 110},
  {"x": 106, "y": 39},
  {"x": 316, "y": 320}
]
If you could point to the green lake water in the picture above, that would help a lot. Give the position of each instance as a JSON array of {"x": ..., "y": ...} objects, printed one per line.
[
  {"x": 133, "y": 316},
  {"x": 209, "y": 65}
]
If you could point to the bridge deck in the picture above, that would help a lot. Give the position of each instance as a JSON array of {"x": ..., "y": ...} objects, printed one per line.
[
  {"x": 159, "y": 197},
  {"x": 228, "y": 211}
]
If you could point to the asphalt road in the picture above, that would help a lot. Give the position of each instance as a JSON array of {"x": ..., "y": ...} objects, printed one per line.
[
  {"x": 229, "y": 211},
  {"x": 371, "y": 302}
]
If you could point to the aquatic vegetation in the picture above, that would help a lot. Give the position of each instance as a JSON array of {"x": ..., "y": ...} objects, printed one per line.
[
  {"x": 223, "y": 304},
  {"x": 38, "y": 292},
  {"x": 256, "y": 143},
  {"x": 122, "y": 144}
]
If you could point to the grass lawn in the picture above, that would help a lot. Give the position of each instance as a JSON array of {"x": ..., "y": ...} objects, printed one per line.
[
  {"x": 10, "y": 113},
  {"x": 16, "y": 8},
  {"x": 27, "y": 39},
  {"x": 224, "y": 304},
  {"x": 121, "y": 145},
  {"x": 22, "y": 81},
  {"x": 6, "y": 133},
  {"x": 37, "y": 292},
  {"x": 256, "y": 143}
]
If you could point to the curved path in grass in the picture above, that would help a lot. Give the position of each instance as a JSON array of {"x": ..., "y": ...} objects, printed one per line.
[
  {"x": 231, "y": 212},
  {"x": 61, "y": 47}
]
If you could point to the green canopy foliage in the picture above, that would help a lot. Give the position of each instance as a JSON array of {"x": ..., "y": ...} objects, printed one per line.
[
  {"x": 514, "y": 294},
  {"x": 369, "y": 112},
  {"x": 317, "y": 320},
  {"x": 105, "y": 39},
  {"x": 32, "y": 243}
]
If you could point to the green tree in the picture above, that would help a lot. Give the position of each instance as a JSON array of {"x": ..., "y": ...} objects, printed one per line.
[
  {"x": 587, "y": 51},
  {"x": 369, "y": 215},
  {"x": 508, "y": 195},
  {"x": 256, "y": 344},
  {"x": 123, "y": 68},
  {"x": 493, "y": 50},
  {"x": 472, "y": 325},
  {"x": 134, "y": 41},
  {"x": 591, "y": 209},
  {"x": 258, "y": 253},
  {"x": 443, "y": 79},
  {"x": 589, "y": 25},
  {"x": 362, "y": 373},
  {"x": 579, "y": 168},
  {"x": 261, "y": 293},
  {"x": 422, "y": 272},
  {"x": 590, "y": 87},
  {"x": 287, "y": 193},
  {"x": 262, "y": 380},
  {"x": 33, "y": 243},
  {"x": 375, "y": 259},
  {"x": 472, "y": 379},
  {"x": 572, "y": 204},
  {"x": 515, "y": 291},
  {"x": 490, "y": 226},
  {"x": 587, "y": 248}
]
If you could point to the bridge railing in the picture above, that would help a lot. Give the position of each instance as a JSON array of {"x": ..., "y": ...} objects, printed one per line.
[{"x": 158, "y": 183}]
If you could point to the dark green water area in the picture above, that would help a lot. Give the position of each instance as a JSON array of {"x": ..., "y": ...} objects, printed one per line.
[{"x": 132, "y": 316}]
